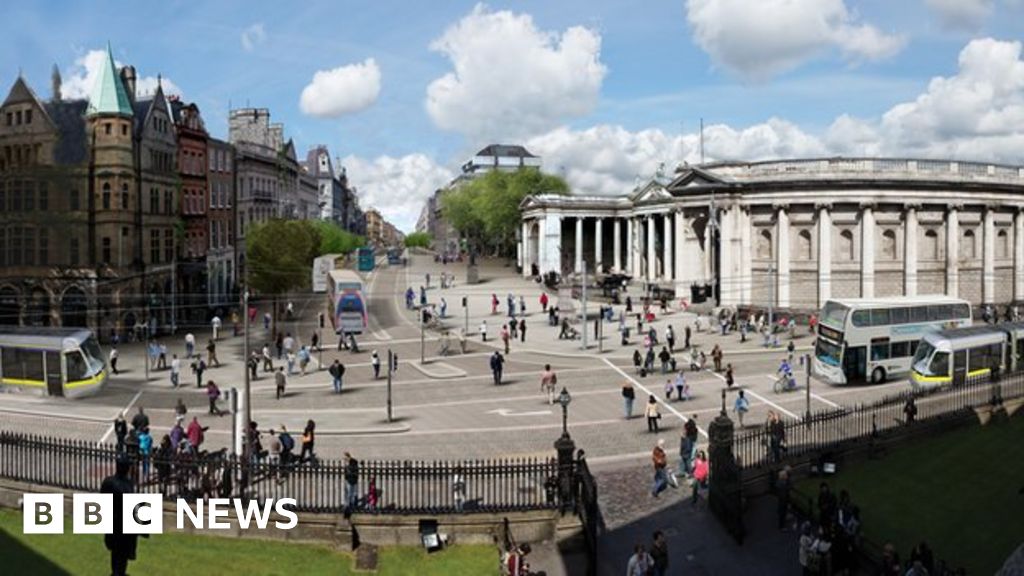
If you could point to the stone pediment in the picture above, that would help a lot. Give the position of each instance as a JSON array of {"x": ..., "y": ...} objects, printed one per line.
[
  {"x": 694, "y": 178},
  {"x": 652, "y": 190}
]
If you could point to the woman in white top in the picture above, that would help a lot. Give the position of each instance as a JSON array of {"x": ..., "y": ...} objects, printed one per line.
[{"x": 640, "y": 563}]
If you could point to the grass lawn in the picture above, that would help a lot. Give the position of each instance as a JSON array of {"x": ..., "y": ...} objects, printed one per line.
[
  {"x": 174, "y": 554},
  {"x": 957, "y": 491}
]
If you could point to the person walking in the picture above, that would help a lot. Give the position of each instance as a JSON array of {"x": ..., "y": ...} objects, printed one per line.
[
  {"x": 505, "y": 337},
  {"x": 651, "y": 411},
  {"x": 494, "y": 303},
  {"x": 544, "y": 301},
  {"x": 649, "y": 360},
  {"x": 670, "y": 338},
  {"x": 175, "y": 371},
  {"x": 190, "y": 345},
  {"x": 314, "y": 340},
  {"x": 548, "y": 381},
  {"x": 215, "y": 326},
  {"x": 741, "y": 406},
  {"x": 700, "y": 475},
  {"x": 776, "y": 436},
  {"x": 686, "y": 336},
  {"x": 730, "y": 380},
  {"x": 337, "y": 371},
  {"x": 308, "y": 440},
  {"x": 522, "y": 306},
  {"x": 638, "y": 360},
  {"x": 304, "y": 359},
  {"x": 289, "y": 359},
  {"x": 196, "y": 433},
  {"x": 375, "y": 364},
  {"x": 211, "y": 354},
  {"x": 497, "y": 364},
  {"x": 716, "y": 357},
  {"x": 522, "y": 329},
  {"x": 113, "y": 360},
  {"x": 200, "y": 367},
  {"x": 910, "y": 411},
  {"x": 288, "y": 343},
  {"x": 640, "y": 563},
  {"x": 180, "y": 410},
  {"x": 162, "y": 358},
  {"x": 513, "y": 328},
  {"x": 660, "y": 461},
  {"x": 280, "y": 381},
  {"x": 659, "y": 554},
  {"x": 213, "y": 394},
  {"x": 253, "y": 364},
  {"x": 664, "y": 358},
  {"x": 483, "y": 331},
  {"x": 120, "y": 430},
  {"x": 688, "y": 447},
  {"x": 268, "y": 360},
  {"x": 682, "y": 389},
  {"x": 628, "y": 397},
  {"x": 351, "y": 484}
]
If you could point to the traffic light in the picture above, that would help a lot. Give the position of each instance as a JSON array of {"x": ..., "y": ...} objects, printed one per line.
[{"x": 464, "y": 301}]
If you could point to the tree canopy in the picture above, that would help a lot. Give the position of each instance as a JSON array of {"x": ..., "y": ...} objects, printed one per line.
[
  {"x": 486, "y": 210},
  {"x": 418, "y": 240},
  {"x": 279, "y": 255},
  {"x": 334, "y": 239}
]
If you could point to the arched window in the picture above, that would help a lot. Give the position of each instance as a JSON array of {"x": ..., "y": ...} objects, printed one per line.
[
  {"x": 106, "y": 196},
  {"x": 124, "y": 196},
  {"x": 1002, "y": 245},
  {"x": 889, "y": 245},
  {"x": 967, "y": 245},
  {"x": 764, "y": 244},
  {"x": 930, "y": 247},
  {"x": 845, "y": 245},
  {"x": 803, "y": 245}
]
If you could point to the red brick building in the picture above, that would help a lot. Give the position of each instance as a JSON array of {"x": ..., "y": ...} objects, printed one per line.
[{"x": 192, "y": 278}]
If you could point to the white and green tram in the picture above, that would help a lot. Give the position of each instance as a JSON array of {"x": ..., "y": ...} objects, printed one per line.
[{"x": 50, "y": 361}]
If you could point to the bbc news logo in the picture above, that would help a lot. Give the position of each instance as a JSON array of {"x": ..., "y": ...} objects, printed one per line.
[{"x": 144, "y": 513}]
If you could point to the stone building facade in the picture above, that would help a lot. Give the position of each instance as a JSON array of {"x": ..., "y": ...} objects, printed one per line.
[
  {"x": 88, "y": 197},
  {"x": 798, "y": 232},
  {"x": 221, "y": 258}
]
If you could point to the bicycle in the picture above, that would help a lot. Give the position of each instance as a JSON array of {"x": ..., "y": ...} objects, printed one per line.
[{"x": 784, "y": 383}]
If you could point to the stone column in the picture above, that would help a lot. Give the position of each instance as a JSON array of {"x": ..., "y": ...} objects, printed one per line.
[
  {"x": 867, "y": 251},
  {"x": 683, "y": 276},
  {"x": 952, "y": 250},
  {"x": 910, "y": 251},
  {"x": 728, "y": 273},
  {"x": 542, "y": 232},
  {"x": 824, "y": 252},
  {"x": 652, "y": 268},
  {"x": 1018, "y": 256},
  {"x": 666, "y": 259},
  {"x": 579, "y": 244},
  {"x": 524, "y": 247},
  {"x": 988, "y": 258},
  {"x": 747, "y": 254},
  {"x": 598, "y": 257},
  {"x": 551, "y": 256},
  {"x": 782, "y": 256},
  {"x": 630, "y": 247},
  {"x": 617, "y": 244}
]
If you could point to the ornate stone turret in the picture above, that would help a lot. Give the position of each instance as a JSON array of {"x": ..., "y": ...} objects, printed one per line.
[{"x": 109, "y": 97}]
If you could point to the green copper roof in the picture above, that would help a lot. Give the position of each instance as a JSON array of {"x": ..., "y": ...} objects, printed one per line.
[{"x": 108, "y": 94}]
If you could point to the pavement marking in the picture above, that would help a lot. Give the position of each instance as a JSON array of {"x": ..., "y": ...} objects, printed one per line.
[
  {"x": 125, "y": 411},
  {"x": 510, "y": 412},
  {"x": 772, "y": 404},
  {"x": 825, "y": 400},
  {"x": 649, "y": 393}
]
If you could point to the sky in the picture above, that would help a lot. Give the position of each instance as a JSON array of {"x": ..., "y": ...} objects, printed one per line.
[{"x": 604, "y": 91}]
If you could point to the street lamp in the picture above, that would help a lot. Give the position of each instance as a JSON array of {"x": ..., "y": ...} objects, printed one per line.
[{"x": 564, "y": 399}]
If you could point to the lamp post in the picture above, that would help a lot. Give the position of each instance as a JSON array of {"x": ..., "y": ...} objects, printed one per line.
[{"x": 565, "y": 447}]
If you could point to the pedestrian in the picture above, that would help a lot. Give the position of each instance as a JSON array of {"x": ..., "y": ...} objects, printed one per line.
[
  {"x": 175, "y": 371},
  {"x": 483, "y": 331},
  {"x": 337, "y": 371},
  {"x": 544, "y": 301},
  {"x": 122, "y": 546},
  {"x": 211, "y": 354},
  {"x": 700, "y": 475},
  {"x": 196, "y": 433},
  {"x": 628, "y": 396},
  {"x": 288, "y": 343},
  {"x": 522, "y": 306},
  {"x": 280, "y": 381},
  {"x": 303, "y": 360},
  {"x": 652, "y": 414},
  {"x": 649, "y": 359},
  {"x": 459, "y": 488},
  {"x": 215, "y": 326},
  {"x": 289, "y": 359},
  {"x": 266, "y": 320},
  {"x": 659, "y": 554},
  {"x": 664, "y": 357},
  {"x": 670, "y": 338},
  {"x": 910, "y": 411},
  {"x": 190, "y": 345},
  {"x": 637, "y": 361},
  {"x": 522, "y": 329},
  {"x": 120, "y": 430},
  {"x": 308, "y": 440},
  {"x": 505, "y": 337},
  {"x": 783, "y": 486},
  {"x": 716, "y": 357},
  {"x": 200, "y": 367},
  {"x": 423, "y": 296},
  {"x": 686, "y": 336},
  {"x": 513, "y": 328},
  {"x": 351, "y": 484},
  {"x": 511, "y": 306},
  {"x": 494, "y": 303},
  {"x": 213, "y": 394},
  {"x": 640, "y": 563},
  {"x": 444, "y": 308},
  {"x": 314, "y": 342},
  {"x": 688, "y": 446},
  {"x": 741, "y": 406},
  {"x": 180, "y": 410},
  {"x": 253, "y": 364},
  {"x": 730, "y": 380},
  {"x": 375, "y": 364},
  {"x": 287, "y": 447},
  {"x": 629, "y": 304},
  {"x": 548, "y": 381},
  {"x": 268, "y": 360},
  {"x": 682, "y": 389},
  {"x": 497, "y": 363},
  {"x": 462, "y": 340},
  {"x": 113, "y": 359},
  {"x": 162, "y": 357},
  {"x": 660, "y": 461},
  {"x": 776, "y": 436}
]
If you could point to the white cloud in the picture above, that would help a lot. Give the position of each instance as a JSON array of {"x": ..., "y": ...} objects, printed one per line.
[
  {"x": 343, "y": 90},
  {"x": 253, "y": 36},
  {"x": 511, "y": 79},
  {"x": 398, "y": 187},
  {"x": 966, "y": 15},
  {"x": 763, "y": 38},
  {"x": 78, "y": 80}
]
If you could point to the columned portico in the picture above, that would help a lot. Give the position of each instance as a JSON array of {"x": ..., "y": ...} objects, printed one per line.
[
  {"x": 598, "y": 254},
  {"x": 666, "y": 260},
  {"x": 631, "y": 248},
  {"x": 867, "y": 251},
  {"x": 617, "y": 244},
  {"x": 651, "y": 252},
  {"x": 824, "y": 252},
  {"x": 578, "y": 266},
  {"x": 524, "y": 249},
  {"x": 782, "y": 258}
]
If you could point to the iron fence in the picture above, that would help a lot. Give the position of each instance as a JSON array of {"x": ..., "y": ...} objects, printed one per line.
[
  {"x": 834, "y": 430},
  {"x": 381, "y": 487}
]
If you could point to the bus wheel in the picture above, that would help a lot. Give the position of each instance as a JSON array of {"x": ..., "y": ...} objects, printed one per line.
[{"x": 878, "y": 375}]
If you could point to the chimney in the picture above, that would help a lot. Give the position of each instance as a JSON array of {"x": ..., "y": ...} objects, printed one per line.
[
  {"x": 55, "y": 83},
  {"x": 128, "y": 78}
]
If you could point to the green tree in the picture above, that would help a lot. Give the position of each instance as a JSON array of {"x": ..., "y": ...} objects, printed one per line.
[
  {"x": 418, "y": 240},
  {"x": 279, "y": 257},
  {"x": 334, "y": 239}
]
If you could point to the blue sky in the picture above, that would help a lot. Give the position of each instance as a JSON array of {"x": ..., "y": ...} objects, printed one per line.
[{"x": 605, "y": 91}]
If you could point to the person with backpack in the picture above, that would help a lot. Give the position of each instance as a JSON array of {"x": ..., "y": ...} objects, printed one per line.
[
  {"x": 308, "y": 440},
  {"x": 287, "y": 446},
  {"x": 213, "y": 394},
  {"x": 337, "y": 372},
  {"x": 741, "y": 407},
  {"x": 548, "y": 381}
]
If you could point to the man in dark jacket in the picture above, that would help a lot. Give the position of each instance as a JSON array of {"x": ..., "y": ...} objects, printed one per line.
[
  {"x": 337, "y": 371},
  {"x": 140, "y": 420},
  {"x": 121, "y": 546},
  {"x": 497, "y": 364},
  {"x": 351, "y": 484},
  {"x": 659, "y": 553}
]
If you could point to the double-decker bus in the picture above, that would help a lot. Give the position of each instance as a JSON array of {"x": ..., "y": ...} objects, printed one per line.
[
  {"x": 874, "y": 339},
  {"x": 346, "y": 306},
  {"x": 51, "y": 361}
]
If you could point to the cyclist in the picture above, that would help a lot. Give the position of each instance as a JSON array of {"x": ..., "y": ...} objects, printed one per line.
[{"x": 786, "y": 372}]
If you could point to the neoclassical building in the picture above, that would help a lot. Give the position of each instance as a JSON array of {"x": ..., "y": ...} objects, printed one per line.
[{"x": 798, "y": 232}]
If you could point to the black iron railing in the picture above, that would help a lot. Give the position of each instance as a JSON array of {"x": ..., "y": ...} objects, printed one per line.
[{"x": 382, "y": 487}]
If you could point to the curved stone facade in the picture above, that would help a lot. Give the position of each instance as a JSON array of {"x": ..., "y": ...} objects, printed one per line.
[{"x": 797, "y": 232}]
